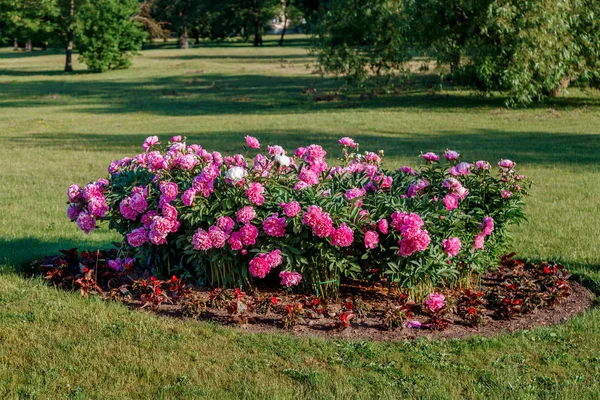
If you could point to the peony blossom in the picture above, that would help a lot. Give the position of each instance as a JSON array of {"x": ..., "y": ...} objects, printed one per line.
[
  {"x": 282, "y": 160},
  {"x": 506, "y": 194},
  {"x": 137, "y": 237},
  {"x": 487, "y": 225},
  {"x": 254, "y": 193},
  {"x": 201, "y": 240},
  {"x": 274, "y": 226},
  {"x": 371, "y": 239},
  {"x": 343, "y": 236},
  {"x": 235, "y": 241},
  {"x": 507, "y": 164},
  {"x": 430, "y": 157},
  {"x": 236, "y": 174},
  {"x": 347, "y": 142},
  {"x": 245, "y": 215},
  {"x": 290, "y": 279},
  {"x": 252, "y": 142},
  {"x": 479, "y": 241},
  {"x": 86, "y": 222},
  {"x": 274, "y": 258},
  {"x": 451, "y": 246},
  {"x": 451, "y": 155},
  {"x": 450, "y": 201},
  {"x": 259, "y": 266},
  {"x": 291, "y": 209},
  {"x": 226, "y": 224},
  {"x": 249, "y": 234},
  {"x": 149, "y": 142},
  {"x": 217, "y": 237},
  {"x": 435, "y": 302}
]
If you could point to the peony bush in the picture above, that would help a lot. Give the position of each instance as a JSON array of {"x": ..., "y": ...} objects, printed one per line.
[{"x": 231, "y": 221}]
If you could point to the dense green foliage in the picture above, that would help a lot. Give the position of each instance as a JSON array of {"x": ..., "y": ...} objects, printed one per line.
[
  {"x": 531, "y": 49},
  {"x": 106, "y": 36}
]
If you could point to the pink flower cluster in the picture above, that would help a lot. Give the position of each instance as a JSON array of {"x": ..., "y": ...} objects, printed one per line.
[
  {"x": 457, "y": 193},
  {"x": 487, "y": 227},
  {"x": 451, "y": 246},
  {"x": 87, "y": 204},
  {"x": 435, "y": 302},
  {"x": 342, "y": 236},
  {"x": 320, "y": 222},
  {"x": 290, "y": 279},
  {"x": 263, "y": 263},
  {"x": 413, "y": 237},
  {"x": 274, "y": 225}
]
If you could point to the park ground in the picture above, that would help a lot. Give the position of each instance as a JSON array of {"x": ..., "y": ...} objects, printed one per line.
[{"x": 57, "y": 129}]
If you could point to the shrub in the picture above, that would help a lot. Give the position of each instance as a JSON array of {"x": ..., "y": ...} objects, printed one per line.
[
  {"x": 229, "y": 221},
  {"x": 107, "y": 37}
]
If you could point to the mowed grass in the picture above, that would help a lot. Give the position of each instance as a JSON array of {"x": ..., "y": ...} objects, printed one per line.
[{"x": 58, "y": 129}]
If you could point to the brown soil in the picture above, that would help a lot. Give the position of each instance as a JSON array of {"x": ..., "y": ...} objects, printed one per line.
[{"x": 370, "y": 328}]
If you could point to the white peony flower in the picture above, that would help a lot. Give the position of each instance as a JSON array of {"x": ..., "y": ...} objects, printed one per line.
[
  {"x": 235, "y": 174},
  {"x": 282, "y": 160}
]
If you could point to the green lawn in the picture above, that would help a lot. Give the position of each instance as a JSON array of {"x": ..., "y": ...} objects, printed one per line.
[{"x": 58, "y": 129}]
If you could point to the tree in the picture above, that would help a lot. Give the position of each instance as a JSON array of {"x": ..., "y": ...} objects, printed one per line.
[
  {"x": 528, "y": 49},
  {"x": 106, "y": 36},
  {"x": 181, "y": 15},
  {"x": 28, "y": 20},
  {"x": 358, "y": 38}
]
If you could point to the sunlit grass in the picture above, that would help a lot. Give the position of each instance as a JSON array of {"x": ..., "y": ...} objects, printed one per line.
[{"x": 58, "y": 129}]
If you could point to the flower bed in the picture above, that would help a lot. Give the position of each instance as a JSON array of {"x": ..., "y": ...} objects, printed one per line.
[
  {"x": 517, "y": 295},
  {"x": 232, "y": 221}
]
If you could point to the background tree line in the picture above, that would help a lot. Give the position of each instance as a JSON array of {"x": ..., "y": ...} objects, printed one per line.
[{"x": 529, "y": 48}]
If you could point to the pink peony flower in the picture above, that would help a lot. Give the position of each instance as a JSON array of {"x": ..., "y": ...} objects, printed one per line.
[
  {"x": 176, "y": 139},
  {"x": 252, "y": 142},
  {"x": 301, "y": 186},
  {"x": 383, "y": 226},
  {"x": 300, "y": 152},
  {"x": 430, "y": 157},
  {"x": 275, "y": 150},
  {"x": 74, "y": 193},
  {"x": 138, "y": 203},
  {"x": 354, "y": 193},
  {"x": 188, "y": 197},
  {"x": 371, "y": 239},
  {"x": 137, "y": 237},
  {"x": 254, "y": 193},
  {"x": 347, "y": 142},
  {"x": 290, "y": 279},
  {"x": 217, "y": 237},
  {"x": 291, "y": 209},
  {"x": 201, "y": 240},
  {"x": 342, "y": 236},
  {"x": 482, "y": 165},
  {"x": 148, "y": 218},
  {"x": 479, "y": 241},
  {"x": 314, "y": 153},
  {"x": 169, "y": 190},
  {"x": 86, "y": 222},
  {"x": 451, "y": 155},
  {"x": 309, "y": 177},
  {"x": 487, "y": 225},
  {"x": 506, "y": 194},
  {"x": 226, "y": 224},
  {"x": 406, "y": 247},
  {"x": 417, "y": 187},
  {"x": 149, "y": 142},
  {"x": 507, "y": 164},
  {"x": 451, "y": 246},
  {"x": 274, "y": 226},
  {"x": 116, "y": 265},
  {"x": 435, "y": 302},
  {"x": 235, "y": 241},
  {"x": 274, "y": 258},
  {"x": 450, "y": 201},
  {"x": 422, "y": 240},
  {"x": 411, "y": 226},
  {"x": 73, "y": 211},
  {"x": 245, "y": 215},
  {"x": 407, "y": 170},
  {"x": 259, "y": 266},
  {"x": 249, "y": 234},
  {"x": 126, "y": 210}
]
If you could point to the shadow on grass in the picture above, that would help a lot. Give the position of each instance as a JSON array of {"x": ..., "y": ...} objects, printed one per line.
[{"x": 530, "y": 148}]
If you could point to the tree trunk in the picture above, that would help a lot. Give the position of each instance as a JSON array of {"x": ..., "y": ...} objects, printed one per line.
[
  {"x": 183, "y": 39},
  {"x": 15, "y": 44},
  {"x": 28, "y": 46},
  {"x": 69, "y": 57},
  {"x": 70, "y": 38},
  {"x": 257, "y": 34},
  {"x": 196, "y": 34},
  {"x": 287, "y": 4}
]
